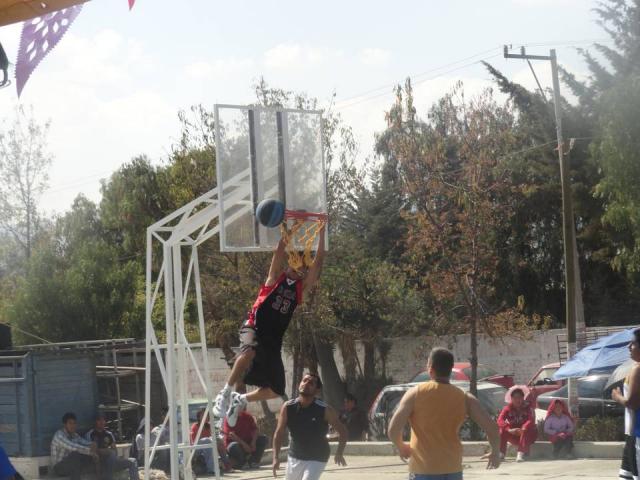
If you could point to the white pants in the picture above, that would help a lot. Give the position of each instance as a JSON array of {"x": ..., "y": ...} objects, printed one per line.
[{"x": 304, "y": 469}]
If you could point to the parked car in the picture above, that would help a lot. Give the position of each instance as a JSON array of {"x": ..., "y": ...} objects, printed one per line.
[
  {"x": 384, "y": 406},
  {"x": 462, "y": 372},
  {"x": 593, "y": 399},
  {"x": 542, "y": 382}
]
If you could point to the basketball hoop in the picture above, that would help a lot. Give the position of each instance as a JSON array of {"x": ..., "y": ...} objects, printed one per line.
[{"x": 300, "y": 230}]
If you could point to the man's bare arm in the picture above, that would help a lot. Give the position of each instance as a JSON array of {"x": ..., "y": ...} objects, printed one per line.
[
  {"x": 314, "y": 272},
  {"x": 486, "y": 423},
  {"x": 277, "y": 438},
  {"x": 277, "y": 261},
  {"x": 399, "y": 420},
  {"x": 633, "y": 400}
]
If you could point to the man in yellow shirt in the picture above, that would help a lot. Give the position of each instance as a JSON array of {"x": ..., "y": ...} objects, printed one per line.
[{"x": 436, "y": 411}]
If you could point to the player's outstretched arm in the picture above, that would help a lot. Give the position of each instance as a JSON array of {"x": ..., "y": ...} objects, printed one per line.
[
  {"x": 332, "y": 419},
  {"x": 486, "y": 423},
  {"x": 277, "y": 262},
  {"x": 399, "y": 420},
  {"x": 314, "y": 272},
  {"x": 278, "y": 436}
]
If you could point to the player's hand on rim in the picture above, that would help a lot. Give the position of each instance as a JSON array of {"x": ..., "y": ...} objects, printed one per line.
[{"x": 339, "y": 460}]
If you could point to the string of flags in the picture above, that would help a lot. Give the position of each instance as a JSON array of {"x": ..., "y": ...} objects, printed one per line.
[{"x": 39, "y": 36}]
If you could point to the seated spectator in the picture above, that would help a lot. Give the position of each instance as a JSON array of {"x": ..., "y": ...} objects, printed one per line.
[
  {"x": 161, "y": 458},
  {"x": 137, "y": 444},
  {"x": 243, "y": 443},
  {"x": 107, "y": 453},
  {"x": 558, "y": 425},
  {"x": 72, "y": 455},
  {"x": 207, "y": 439},
  {"x": 353, "y": 419},
  {"x": 517, "y": 425}
]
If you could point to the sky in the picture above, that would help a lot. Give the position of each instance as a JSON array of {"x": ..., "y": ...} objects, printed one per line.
[{"x": 113, "y": 86}]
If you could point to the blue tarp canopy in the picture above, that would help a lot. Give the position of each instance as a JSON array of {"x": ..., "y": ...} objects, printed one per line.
[{"x": 601, "y": 356}]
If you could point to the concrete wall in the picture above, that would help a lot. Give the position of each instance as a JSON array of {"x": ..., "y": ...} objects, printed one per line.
[{"x": 408, "y": 355}]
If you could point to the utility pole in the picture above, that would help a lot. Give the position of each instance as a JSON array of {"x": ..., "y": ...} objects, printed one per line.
[{"x": 571, "y": 272}]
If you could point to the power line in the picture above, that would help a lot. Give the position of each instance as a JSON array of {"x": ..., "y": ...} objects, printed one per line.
[
  {"x": 376, "y": 92},
  {"x": 76, "y": 182}
]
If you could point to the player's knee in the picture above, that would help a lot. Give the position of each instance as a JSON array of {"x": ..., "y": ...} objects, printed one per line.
[{"x": 247, "y": 356}]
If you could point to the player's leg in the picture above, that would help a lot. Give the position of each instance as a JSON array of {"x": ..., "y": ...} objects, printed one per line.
[
  {"x": 267, "y": 373},
  {"x": 240, "y": 366},
  {"x": 313, "y": 470},
  {"x": 242, "y": 363}
]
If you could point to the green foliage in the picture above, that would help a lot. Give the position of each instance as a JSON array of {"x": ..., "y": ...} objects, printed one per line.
[
  {"x": 454, "y": 225},
  {"x": 76, "y": 286},
  {"x": 617, "y": 151},
  {"x": 601, "y": 429}
]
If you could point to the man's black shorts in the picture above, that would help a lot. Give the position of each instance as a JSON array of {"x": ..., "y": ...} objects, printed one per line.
[{"x": 267, "y": 369}]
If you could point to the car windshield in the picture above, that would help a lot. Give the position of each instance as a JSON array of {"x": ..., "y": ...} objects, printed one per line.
[
  {"x": 483, "y": 372},
  {"x": 389, "y": 400},
  {"x": 492, "y": 399},
  {"x": 544, "y": 373},
  {"x": 588, "y": 387}
]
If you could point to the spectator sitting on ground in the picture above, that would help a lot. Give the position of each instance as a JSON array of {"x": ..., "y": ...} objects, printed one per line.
[
  {"x": 353, "y": 419},
  {"x": 137, "y": 444},
  {"x": 206, "y": 438},
  {"x": 559, "y": 426},
  {"x": 517, "y": 424},
  {"x": 243, "y": 443},
  {"x": 72, "y": 455},
  {"x": 107, "y": 453}
]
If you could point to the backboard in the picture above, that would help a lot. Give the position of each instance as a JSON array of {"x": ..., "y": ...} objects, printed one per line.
[{"x": 265, "y": 153}]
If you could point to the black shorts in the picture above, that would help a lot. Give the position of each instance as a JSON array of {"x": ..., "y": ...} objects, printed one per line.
[{"x": 267, "y": 369}]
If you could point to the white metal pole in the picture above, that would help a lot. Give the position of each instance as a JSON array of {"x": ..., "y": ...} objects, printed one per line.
[
  {"x": 147, "y": 354},
  {"x": 171, "y": 360},
  {"x": 205, "y": 358}
]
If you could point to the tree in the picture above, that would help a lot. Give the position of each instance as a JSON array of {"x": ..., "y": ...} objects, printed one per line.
[
  {"x": 617, "y": 150},
  {"x": 24, "y": 162},
  {"x": 459, "y": 203},
  {"x": 76, "y": 286}
]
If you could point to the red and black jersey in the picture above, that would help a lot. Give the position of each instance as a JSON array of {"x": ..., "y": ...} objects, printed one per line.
[{"x": 273, "y": 309}]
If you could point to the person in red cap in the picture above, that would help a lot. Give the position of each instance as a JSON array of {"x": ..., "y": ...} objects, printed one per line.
[
  {"x": 517, "y": 424},
  {"x": 559, "y": 426}
]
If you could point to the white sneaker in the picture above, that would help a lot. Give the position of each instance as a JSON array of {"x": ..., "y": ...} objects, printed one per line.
[
  {"x": 520, "y": 457},
  {"x": 238, "y": 403},
  {"x": 221, "y": 404}
]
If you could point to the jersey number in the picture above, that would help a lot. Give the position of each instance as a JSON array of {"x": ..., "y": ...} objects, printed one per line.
[{"x": 281, "y": 304}]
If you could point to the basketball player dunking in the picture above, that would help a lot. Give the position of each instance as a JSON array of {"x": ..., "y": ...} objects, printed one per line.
[{"x": 260, "y": 358}]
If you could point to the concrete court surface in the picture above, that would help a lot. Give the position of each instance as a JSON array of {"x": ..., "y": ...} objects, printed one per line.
[{"x": 392, "y": 468}]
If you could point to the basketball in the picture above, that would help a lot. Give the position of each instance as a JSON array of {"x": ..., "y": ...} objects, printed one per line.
[{"x": 270, "y": 212}]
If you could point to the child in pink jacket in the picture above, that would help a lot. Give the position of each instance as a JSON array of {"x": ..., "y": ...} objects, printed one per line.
[{"x": 559, "y": 428}]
